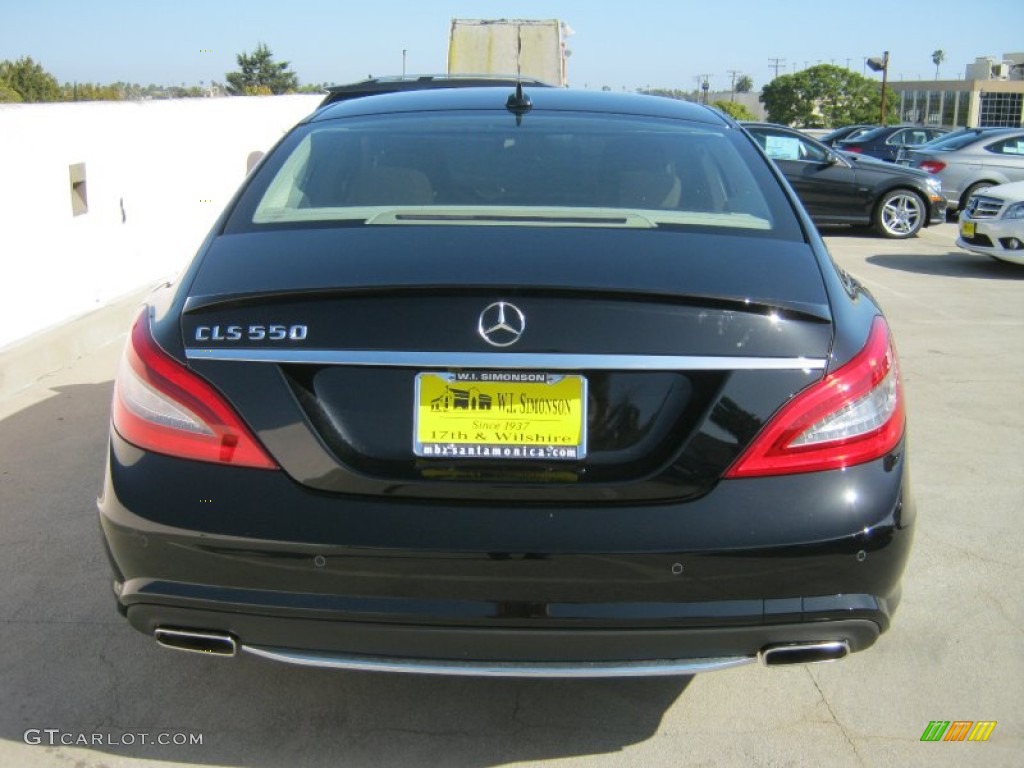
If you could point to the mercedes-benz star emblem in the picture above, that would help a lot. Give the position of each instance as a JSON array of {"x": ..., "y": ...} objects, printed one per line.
[{"x": 501, "y": 324}]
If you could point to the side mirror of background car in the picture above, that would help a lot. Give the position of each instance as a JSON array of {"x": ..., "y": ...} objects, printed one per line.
[{"x": 253, "y": 158}]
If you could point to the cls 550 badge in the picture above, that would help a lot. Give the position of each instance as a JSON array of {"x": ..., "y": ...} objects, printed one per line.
[{"x": 271, "y": 332}]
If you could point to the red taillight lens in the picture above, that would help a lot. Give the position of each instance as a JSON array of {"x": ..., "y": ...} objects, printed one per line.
[
  {"x": 931, "y": 166},
  {"x": 162, "y": 406},
  {"x": 857, "y": 150},
  {"x": 853, "y": 415}
]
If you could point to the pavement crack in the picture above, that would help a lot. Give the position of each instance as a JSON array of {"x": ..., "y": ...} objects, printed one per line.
[
  {"x": 1001, "y": 610},
  {"x": 842, "y": 728},
  {"x": 972, "y": 554},
  {"x": 114, "y": 711}
]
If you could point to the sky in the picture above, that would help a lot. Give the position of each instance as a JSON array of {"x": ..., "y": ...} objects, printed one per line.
[{"x": 622, "y": 45}]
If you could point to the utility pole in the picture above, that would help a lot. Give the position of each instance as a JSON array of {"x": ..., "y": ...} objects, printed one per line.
[
  {"x": 776, "y": 64},
  {"x": 732, "y": 75}
]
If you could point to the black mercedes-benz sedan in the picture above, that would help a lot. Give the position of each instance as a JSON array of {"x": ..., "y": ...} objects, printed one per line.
[
  {"x": 477, "y": 381},
  {"x": 844, "y": 188}
]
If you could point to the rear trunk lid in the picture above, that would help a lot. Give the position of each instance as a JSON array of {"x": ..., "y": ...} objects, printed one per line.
[{"x": 622, "y": 365}]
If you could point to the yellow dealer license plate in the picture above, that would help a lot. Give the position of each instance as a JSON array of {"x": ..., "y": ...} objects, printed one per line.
[
  {"x": 512, "y": 415},
  {"x": 967, "y": 229}
]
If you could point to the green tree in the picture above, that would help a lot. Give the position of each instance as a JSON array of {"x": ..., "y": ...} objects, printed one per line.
[
  {"x": 91, "y": 92},
  {"x": 668, "y": 93},
  {"x": 744, "y": 84},
  {"x": 29, "y": 80},
  {"x": 938, "y": 56},
  {"x": 734, "y": 110},
  {"x": 259, "y": 74},
  {"x": 8, "y": 94},
  {"x": 824, "y": 96}
]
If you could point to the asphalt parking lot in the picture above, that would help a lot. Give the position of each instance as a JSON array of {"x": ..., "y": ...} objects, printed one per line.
[{"x": 83, "y": 689}]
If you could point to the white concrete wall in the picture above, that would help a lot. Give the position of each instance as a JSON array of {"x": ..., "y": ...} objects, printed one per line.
[{"x": 169, "y": 165}]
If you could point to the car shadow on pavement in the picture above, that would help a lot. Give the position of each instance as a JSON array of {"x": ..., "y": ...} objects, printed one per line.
[
  {"x": 79, "y": 683},
  {"x": 951, "y": 264}
]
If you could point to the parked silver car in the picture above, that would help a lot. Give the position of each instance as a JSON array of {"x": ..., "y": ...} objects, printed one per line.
[
  {"x": 970, "y": 161},
  {"x": 992, "y": 223}
]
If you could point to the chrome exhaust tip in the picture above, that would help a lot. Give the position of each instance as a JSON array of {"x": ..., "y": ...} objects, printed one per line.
[
  {"x": 196, "y": 641},
  {"x": 803, "y": 653}
]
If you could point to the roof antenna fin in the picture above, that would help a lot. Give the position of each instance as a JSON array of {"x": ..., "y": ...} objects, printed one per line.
[{"x": 519, "y": 103}]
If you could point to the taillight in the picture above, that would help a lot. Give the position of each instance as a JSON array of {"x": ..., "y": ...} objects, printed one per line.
[
  {"x": 853, "y": 415},
  {"x": 161, "y": 406},
  {"x": 856, "y": 150},
  {"x": 931, "y": 166}
]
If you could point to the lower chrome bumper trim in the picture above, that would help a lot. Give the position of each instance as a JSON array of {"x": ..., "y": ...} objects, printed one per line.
[{"x": 474, "y": 668}]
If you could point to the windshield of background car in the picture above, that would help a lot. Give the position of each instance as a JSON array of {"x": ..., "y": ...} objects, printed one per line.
[{"x": 487, "y": 168}]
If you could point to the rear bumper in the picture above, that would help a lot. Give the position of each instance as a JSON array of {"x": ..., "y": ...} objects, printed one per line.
[
  {"x": 512, "y": 652},
  {"x": 309, "y": 578}
]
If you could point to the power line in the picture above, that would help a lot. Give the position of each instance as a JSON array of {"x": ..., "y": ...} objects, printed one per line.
[{"x": 776, "y": 64}]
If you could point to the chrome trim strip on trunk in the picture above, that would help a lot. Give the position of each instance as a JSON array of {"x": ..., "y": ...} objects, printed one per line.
[
  {"x": 506, "y": 360},
  {"x": 472, "y": 668}
]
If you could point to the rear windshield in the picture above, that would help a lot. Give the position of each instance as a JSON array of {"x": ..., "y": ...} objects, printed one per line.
[
  {"x": 871, "y": 135},
  {"x": 957, "y": 140},
  {"x": 549, "y": 169}
]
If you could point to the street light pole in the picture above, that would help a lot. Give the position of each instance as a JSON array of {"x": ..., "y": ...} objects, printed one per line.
[
  {"x": 885, "y": 79},
  {"x": 881, "y": 65}
]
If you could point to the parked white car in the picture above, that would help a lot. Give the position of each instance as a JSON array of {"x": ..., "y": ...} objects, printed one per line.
[{"x": 992, "y": 223}]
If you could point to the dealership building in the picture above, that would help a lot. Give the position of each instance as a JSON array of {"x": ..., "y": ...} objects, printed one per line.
[{"x": 990, "y": 95}]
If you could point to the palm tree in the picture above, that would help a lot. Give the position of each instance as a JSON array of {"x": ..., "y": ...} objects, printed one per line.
[{"x": 938, "y": 57}]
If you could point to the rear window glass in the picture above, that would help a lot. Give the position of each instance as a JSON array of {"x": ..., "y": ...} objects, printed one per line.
[
  {"x": 872, "y": 135},
  {"x": 483, "y": 168},
  {"x": 957, "y": 140}
]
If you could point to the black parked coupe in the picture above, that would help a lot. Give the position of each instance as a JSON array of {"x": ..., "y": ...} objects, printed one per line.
[
  {"x": 887, "y": 142},
  {"x": 471, "y": 381},
  {"x": 847, "y": 132},
  {"x": 843, "y": 188}
]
